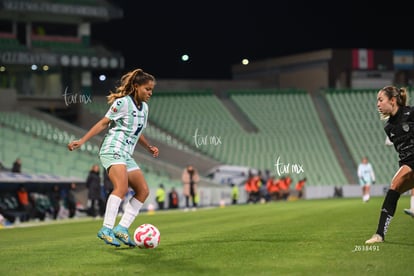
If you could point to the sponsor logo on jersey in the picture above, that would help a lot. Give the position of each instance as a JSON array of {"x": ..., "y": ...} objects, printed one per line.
[{"x": 405, "y": 127}]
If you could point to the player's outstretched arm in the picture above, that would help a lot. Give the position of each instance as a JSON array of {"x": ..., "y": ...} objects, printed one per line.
[{"x": 95, "y": 130}]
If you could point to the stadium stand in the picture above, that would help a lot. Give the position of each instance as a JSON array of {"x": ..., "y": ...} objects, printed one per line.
[
  {"x": 46, "y": 152},
  {"x": 289, "y": 130},
  {"x": 63, "y": 44},
  {"x": 206, "y": 126},
  {"x": 8, "y": 41}
]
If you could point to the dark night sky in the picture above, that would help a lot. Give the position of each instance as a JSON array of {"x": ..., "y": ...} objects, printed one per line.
[{"x": 217, "y": 34}]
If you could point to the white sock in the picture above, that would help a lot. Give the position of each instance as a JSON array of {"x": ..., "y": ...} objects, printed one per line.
[
  {"x": 131, "y": 212},
  {"x": 412, "y": 203},
  {"x": 111, "y": 212}
]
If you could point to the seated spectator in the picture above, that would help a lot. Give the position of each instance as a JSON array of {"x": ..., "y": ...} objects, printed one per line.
[
  {"x": 284, "y": 185},
  {"x": 251, "y": 186},
  {"x": 42, "y": 205},
  {"x": 299, "y": 187},
  {"x": 10, "y": 207},
  {"x": 288, "y": 183},
  {"x": 273, "y": 188},
  {"x": 17, "y": 166}
]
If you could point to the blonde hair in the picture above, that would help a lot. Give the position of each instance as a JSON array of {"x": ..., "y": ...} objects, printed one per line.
[
  {"x": 400, "y": 94},
  {"x": 126, "y": 87}
]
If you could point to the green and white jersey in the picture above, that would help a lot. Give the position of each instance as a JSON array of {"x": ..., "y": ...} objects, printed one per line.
[{"x": 128, "y": 123}]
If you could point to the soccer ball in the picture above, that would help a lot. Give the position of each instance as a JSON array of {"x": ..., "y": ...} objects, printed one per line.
[{"x": 147, "y": 236}]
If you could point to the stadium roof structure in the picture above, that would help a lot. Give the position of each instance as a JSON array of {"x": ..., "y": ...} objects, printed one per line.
[
  {"x": 56, "y": 34},
  {"x": 59, "y": 11}
]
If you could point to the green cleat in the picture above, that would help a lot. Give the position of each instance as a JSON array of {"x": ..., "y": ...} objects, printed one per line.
[
  {"x": 107, "y": 235},
  {"x": 122, "y": 234}
]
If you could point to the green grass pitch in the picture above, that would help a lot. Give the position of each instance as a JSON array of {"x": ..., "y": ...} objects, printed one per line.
[{"x": 304, "y": 237}]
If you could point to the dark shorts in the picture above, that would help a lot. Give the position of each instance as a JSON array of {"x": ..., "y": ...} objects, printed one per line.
[{"x": 409, "y": 163}]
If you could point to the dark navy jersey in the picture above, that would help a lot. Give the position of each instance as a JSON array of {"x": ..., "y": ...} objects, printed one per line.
[{"x": 400, "y": 130}]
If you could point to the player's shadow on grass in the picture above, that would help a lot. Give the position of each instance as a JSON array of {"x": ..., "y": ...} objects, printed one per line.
[{"x": 127, "y": 248}]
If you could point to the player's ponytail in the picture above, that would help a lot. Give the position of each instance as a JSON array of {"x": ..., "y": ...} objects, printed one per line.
[
  {"x": 126, "y": 87},
  {"x": 402, "y": 99}
]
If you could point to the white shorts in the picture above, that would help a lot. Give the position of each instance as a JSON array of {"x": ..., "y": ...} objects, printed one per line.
[{"x": 109, "y": 159}]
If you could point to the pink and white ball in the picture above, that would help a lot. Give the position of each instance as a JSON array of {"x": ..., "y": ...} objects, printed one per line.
[{"x": 147, "y": 236}]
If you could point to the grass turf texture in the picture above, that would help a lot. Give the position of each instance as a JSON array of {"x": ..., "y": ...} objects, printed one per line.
[{"x": 306, "y": 237}]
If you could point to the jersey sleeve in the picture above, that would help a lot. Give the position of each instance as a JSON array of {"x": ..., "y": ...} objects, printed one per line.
[{"x": 116, "y": 110}]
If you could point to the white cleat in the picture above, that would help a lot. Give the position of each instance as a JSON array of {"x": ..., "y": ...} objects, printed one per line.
[
  {"x": 409, "y": 212},
  {"x": 375, "y": 239}
]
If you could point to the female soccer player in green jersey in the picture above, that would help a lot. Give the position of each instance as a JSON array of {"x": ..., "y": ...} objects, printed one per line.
[{"x": 125, "y": 121}]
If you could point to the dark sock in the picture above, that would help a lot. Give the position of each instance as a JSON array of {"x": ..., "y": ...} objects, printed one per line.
[{"x": 387, "y": 212}]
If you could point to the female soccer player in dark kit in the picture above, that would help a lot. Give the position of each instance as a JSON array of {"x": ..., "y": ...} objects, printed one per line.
[{"x": 399, "y": 127}]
